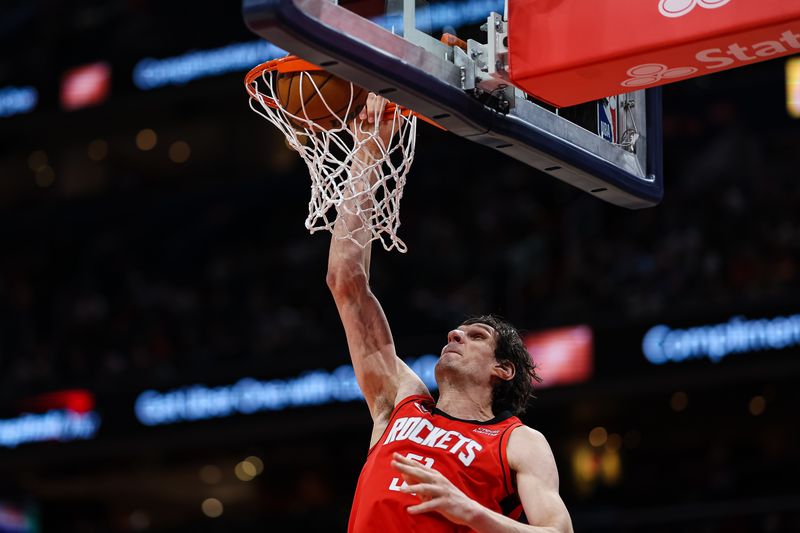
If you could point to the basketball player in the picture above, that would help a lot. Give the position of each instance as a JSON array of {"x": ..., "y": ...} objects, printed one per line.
[{"x": 464, "y": 463}]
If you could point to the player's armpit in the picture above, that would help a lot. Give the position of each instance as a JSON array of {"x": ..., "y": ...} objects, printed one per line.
[{"x": 532, "y": 461}]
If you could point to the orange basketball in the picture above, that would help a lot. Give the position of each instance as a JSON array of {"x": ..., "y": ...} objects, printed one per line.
[{"x": 305, "y": 95}]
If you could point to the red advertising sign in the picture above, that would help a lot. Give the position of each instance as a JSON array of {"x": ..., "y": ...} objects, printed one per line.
[
  {"x": 85, "y": 86},
  {"x": 74, "y": 400},
  {"x": 571, "y": 51},
  {"x": 563, "y": 356}
]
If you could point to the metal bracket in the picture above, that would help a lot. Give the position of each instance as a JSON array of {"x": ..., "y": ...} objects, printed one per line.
[
  {"x": 491, "y": 73},
  {"x": 497, "y": 47},
  {"x": 412, "y": 34},
  {"x": 630, "y": 134},
  {"x": 467, "y": 66}
]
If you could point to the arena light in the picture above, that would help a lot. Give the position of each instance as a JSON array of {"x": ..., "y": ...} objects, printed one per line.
[
  {"x": 757, "y": 405},
  {"x": 662, "y": 344},
  {"x": 793, "y": 87},
  {"x": 85, "y": 86},
  {"x": 212, "y": 507},
  {"x": 17, "y": 100},
  {"x": 563, "y": 356},
  {"x": 249, "y": 395},
  {"x": 598, "y": 436}
]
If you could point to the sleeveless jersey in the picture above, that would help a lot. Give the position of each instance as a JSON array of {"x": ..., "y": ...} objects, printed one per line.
[{"x": 471, "y": 454}]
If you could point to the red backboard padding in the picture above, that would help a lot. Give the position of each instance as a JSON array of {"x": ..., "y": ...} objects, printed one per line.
[{"x": 566, "y": 52}]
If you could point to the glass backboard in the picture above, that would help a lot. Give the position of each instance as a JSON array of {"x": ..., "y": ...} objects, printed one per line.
[{"x": 610, "y": 149}]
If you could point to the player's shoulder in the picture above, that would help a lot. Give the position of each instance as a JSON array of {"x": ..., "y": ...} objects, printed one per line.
[
  {"x": 528, "y": 447},
  {"x": 527, "y": 436},
  {"x": 420, "y": 400}
]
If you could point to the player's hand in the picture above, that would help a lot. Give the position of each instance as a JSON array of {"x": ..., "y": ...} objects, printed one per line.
[
  {"x": 370, "y": 120},
  {"x": 435, "y": 491}
]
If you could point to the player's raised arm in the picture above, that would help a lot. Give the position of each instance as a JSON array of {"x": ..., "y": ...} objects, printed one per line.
[{"x": 382, "y": 376}]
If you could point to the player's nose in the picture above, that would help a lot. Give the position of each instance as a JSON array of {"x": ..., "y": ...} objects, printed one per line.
[{"x": 455, "y": 335}]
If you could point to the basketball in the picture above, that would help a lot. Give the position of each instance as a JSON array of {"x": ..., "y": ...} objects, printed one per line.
[{"x": 320, "y": 97}]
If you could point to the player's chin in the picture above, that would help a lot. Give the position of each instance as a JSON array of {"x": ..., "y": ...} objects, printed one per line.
[{"x": 447, "y": 361}]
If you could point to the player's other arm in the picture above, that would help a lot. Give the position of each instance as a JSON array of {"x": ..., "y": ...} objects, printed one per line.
[
  {"x": 382, "y": 376},
  {"x": 529, "y": 456}
]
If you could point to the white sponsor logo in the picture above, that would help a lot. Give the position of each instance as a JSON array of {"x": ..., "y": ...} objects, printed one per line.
[
  {"x": 651, "y": 73},
  {"x": 679, "y": 8},
  {"x": 713, "y": 59}
]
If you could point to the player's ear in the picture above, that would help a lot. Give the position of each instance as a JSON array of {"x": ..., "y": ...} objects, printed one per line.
[{"x": 505, "y": 370}]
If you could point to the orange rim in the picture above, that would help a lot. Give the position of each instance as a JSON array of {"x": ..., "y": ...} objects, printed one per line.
[{"x": 291, "y": 63}]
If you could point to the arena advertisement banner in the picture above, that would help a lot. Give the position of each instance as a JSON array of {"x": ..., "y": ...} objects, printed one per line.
[
  {"x": 60, "y": 416},
  {"x": 85, "y": 86},
  {"x": 663, "y": 344},
  {"x": 567, "y": 357},
  {"x": 563, "y": 356},
  {"x": 574, "y": 56},
  {"x": 17, "y": 100},
  {"x": 251, "y": 395}
]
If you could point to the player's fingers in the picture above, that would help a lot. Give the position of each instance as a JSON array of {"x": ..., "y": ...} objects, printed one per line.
[
  {"x": 400, "y": 459},
  {"x": 415, "y": 475},
  {"x": 405, "y": 460},
  {"x": 380, "y": 105},
  {"x": 415, "y": 470},
  {"x": 366, "y": 111},
  {"x": 376, "y": 106},
  {"x": 372, "y": 104},
  {"x": 405, "y": 468},
  {"x": 424, "y": 507},
  {"x": 425, "y": 491}
]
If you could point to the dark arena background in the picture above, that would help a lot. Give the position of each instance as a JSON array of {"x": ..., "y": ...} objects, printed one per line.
[{"x": 171, "y": 359}]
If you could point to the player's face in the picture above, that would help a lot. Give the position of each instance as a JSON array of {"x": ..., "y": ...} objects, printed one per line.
[{"x": 470, "y": 350}]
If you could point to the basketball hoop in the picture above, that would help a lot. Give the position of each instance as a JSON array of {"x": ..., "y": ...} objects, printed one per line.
[{"x": 370, "y": 188}]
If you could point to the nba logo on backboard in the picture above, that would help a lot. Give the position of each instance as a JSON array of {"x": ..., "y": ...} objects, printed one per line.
[{"x": 607, "y": 119}]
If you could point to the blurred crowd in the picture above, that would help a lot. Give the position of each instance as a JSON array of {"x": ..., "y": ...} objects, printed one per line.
[{"x": 216, "y": 274}]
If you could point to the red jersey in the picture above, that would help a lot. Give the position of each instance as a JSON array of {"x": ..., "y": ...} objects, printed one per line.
[{"x": 471, "y": 454}]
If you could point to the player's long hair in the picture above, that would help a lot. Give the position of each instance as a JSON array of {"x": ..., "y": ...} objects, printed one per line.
[{"x": 515, "y": 394}]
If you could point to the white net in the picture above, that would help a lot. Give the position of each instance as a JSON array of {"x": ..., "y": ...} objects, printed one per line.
[{"x": 347, "y": 171}]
